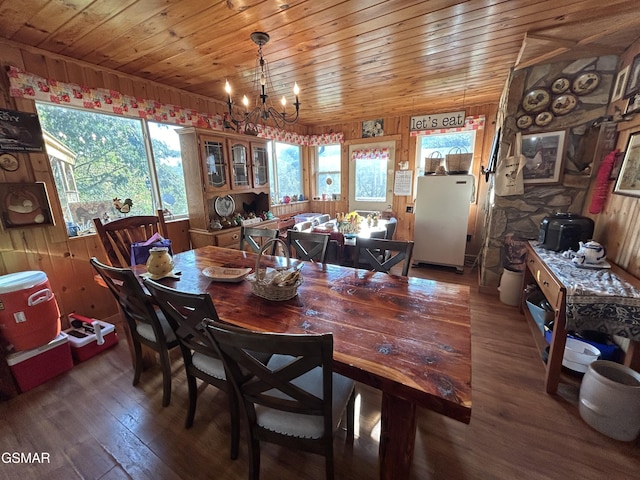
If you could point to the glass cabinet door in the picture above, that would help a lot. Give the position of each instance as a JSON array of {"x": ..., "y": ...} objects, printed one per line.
[
  {"x": 260, "y": 166},
  {"x": 240, "y": 165},
  {"x": 215, "y": 167}
]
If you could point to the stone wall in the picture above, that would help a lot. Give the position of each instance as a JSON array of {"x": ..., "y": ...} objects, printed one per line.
[{"x": 520, "y": 215}]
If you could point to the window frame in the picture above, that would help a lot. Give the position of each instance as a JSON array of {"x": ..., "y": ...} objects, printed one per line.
[
  {"x": 276, "y": 197},
  {"x": 337, "y": 173},
  {"x": 156, "y": 196}
]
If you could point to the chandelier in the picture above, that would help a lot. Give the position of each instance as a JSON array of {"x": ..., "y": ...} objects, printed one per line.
[{"x": 263, "y": 110}]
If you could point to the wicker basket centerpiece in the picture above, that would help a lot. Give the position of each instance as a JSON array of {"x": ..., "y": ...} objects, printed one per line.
[{"x": 278, "y": 283}]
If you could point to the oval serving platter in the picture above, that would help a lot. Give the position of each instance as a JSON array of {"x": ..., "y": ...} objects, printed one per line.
[
  {"x": 564, "y": 104},
  {"x": 226, "y": 274},
  {"x": 585, "y": 83},
  {"x": 536, "y": 100}
]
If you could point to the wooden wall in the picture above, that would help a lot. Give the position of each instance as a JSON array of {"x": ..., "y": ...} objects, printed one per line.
[
  {"x": 397, "y": 128},
  {"x": 618, "y": 226}
]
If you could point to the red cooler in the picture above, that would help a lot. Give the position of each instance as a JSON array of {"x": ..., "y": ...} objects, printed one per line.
[{"x": 29, "y": 314}]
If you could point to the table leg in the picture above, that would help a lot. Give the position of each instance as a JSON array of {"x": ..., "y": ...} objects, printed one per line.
[
  {"x": 632, "y": 357},
  {"x": 397, "y": 437}
]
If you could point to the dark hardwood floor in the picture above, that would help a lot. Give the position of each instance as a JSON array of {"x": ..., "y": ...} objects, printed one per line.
[{"x": 94, "y": 424}]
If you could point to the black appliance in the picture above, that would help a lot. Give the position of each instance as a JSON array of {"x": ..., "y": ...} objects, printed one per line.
[{"x": 563, "y": 231}]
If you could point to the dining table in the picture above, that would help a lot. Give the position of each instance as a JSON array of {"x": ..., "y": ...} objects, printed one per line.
[{"x": 408, "y": 337}]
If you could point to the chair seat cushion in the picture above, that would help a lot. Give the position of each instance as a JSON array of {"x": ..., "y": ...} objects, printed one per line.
[
  {"x": 299, "y": 425},
  {"x": 210, "y": 365},
  {"x": 146, "y": 331}
]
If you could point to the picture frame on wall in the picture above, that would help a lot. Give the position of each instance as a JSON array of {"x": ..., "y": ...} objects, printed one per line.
[
  {"x": 544, "y": 154},
  {"x": 24, "y": 205},
  {"x": 633, "y": 82},
  {"x": 373, "y": 128},
  {"x": 628, "y": 182},
  {"x": 621, "y": 84},
  {"x": 20, "y": 132},
  {"x": 633, "y": 103}
]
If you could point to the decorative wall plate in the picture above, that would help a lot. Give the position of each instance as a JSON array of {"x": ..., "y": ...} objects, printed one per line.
[
  {"x": 225, "y": 206},
  {"x": 524, "y": 121},
  {"x": 585, "y": 83},
  {"x": 564, "y": 104},
  {"x": 9, "y": 162},
  {"x": 536, "y": 100},
  {"x": 560, "y": 85},
  {"x": 543, "y": 119}
]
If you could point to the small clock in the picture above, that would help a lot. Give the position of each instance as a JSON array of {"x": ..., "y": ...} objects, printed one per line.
[{"x": 9, "y": 162}]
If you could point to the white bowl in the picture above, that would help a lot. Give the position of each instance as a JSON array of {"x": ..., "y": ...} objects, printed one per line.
[{"x": 578, "y": 355}]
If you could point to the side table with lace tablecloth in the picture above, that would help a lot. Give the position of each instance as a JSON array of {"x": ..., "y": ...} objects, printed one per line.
[{"x": 603, "y": 298}]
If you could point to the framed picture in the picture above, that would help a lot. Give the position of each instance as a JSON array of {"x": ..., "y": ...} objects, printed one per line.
[
  {"x": 617, "y": 163},
  {"x": 373, "y": 128},
  {"x": 20, "y": 132},
  {"x": 24, "y": 205},
  {"x": 621, "y": 83},
  {"x": 628, "y": 182},
  {"x": 633, "y": 104},
  {"x": 543, "y": 153},
  {"x": 633, "y": 83}
]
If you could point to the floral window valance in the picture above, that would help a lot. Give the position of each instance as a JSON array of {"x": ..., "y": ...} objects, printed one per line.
[
  {"x": 371, "y": 154},
  {"x": 470, "y": 123},
  {"x": 27, "y": 85}
]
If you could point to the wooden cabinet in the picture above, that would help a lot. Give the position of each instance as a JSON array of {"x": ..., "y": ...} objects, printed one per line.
[
  {"x": 227, "y": 238},
  {"x": 217, "y": 164}
]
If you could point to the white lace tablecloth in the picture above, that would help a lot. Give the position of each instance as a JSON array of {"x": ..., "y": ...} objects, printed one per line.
[{"x": 597, "y": 299}]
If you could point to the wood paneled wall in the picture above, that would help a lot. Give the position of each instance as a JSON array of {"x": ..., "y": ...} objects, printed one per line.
[
  {"x": 618, "y": 226},
  {"x": 397, "y": 128}
]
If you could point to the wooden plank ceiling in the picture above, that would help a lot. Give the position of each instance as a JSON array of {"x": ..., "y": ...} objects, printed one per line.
[{"x": 352, "y": 59}]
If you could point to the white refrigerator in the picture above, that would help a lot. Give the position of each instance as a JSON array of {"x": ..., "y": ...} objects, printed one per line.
[{"x": 441, "y": 218}]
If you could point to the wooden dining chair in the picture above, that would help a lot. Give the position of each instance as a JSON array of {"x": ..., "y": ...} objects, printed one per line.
[
  {"x": 391, "y": 225},
  {"x": 308, "y": 246},
  {"x": 381, "y": 254},
  {"x": 248, "y": 235},
  {"x": 186, "y": 311},
  {"x": 294, "y": 399},
  {"x": 118, "y": 235},
  {"x": 147, "y": 325}
]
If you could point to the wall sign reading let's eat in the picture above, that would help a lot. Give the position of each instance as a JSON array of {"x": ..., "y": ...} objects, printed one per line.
[{"x": 437, "y": 120}]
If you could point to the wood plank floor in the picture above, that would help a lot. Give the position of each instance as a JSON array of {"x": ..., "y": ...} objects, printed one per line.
[{"x": 95, "y": 425}]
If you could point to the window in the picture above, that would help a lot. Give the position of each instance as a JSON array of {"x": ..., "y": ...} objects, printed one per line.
[
  {"x": 329, "y": 162},
  {"x": 285, "y": 171},
  {"x": 165, "y": 148},
  {"x": 97, "y": 157},
  {"x": 433, "y": 148},
  {"x": 371, "y": 176}
]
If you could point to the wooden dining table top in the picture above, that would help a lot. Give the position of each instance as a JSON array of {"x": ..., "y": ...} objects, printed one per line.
[{"x": 406, "y": 336}]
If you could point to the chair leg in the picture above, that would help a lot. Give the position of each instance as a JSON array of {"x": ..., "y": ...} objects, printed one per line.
[
  {"x": 166, "y": 376},
  {"x": 234, "y": 413},
  {"x": 328, "y": 462},
  {"x": 254, "y": 458},
  {"x": 351, "y": 416},
  {"x": 137, "y": 368},
  {"x": 193, "y": 400}
]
